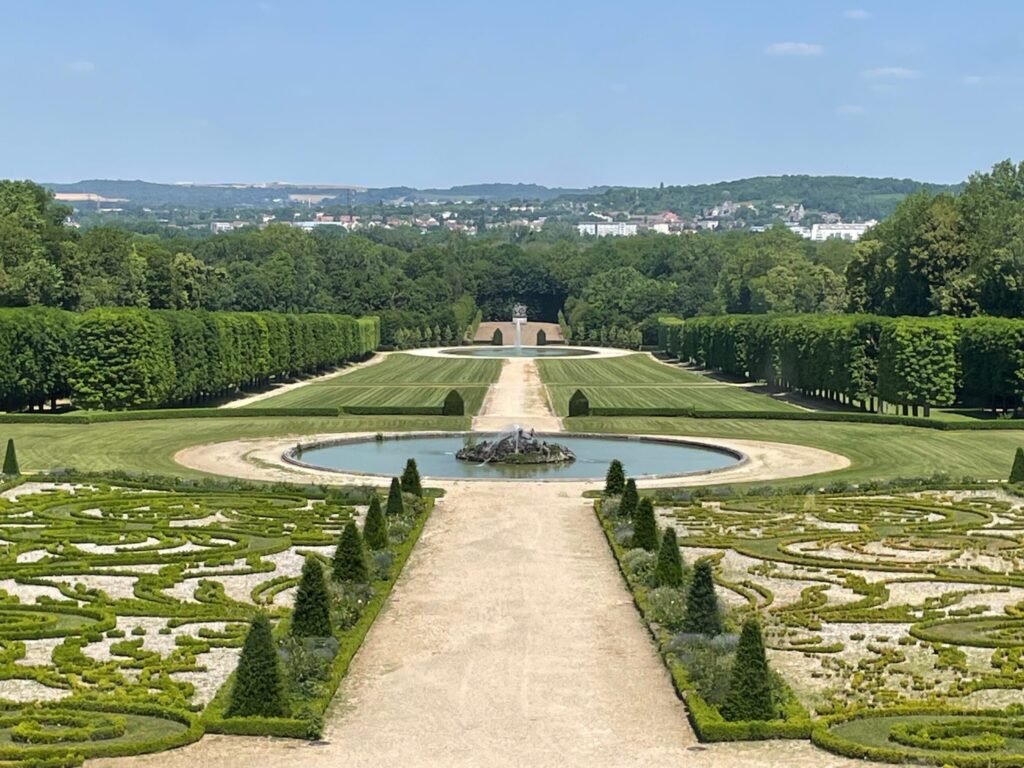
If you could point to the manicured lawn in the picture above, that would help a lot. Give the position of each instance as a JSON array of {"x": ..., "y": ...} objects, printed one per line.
[
  {"x": 638, "y": 381},
  {"x": 877, "y": 451},
  {"x": 403, "y": 380}
]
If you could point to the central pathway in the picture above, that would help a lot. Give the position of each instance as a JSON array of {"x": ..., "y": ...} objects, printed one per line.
[{"x": 517, "y": 396}]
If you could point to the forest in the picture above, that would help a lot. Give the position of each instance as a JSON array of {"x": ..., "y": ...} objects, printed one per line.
[{"x": 939, "y": 253}]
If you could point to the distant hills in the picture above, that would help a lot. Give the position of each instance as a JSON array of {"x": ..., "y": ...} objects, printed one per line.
[{"x": 850, "y": 196}]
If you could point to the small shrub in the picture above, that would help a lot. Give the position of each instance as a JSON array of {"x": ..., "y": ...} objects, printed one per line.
[
  {"x": 11, "y": 460},
  {"x": 645, "y": 529},
  {"x": 630, "y": 498},
  {"x": 1016, "y": 473},
  {"x": 669, "y": 570},
  {"x": 579, "y": 405},
  {"x": 349, "y": 562},
  {"x": 666, "y": 606},
  {"x": 750, "y": 686},
  {"x": 615, "y": 479},
  {"x": 312, "y": 614},
  {"x": 542, "y": 338},
  {"x": 703, "y": 615},
  {"x": 395, "y": 505},
  {"x": 639, "y": 564},
  {"x": 410, "y": 481},
  {"x": 454, "y": 404},
  {"x": 375, "y": 529},
  {"x": 497, "y": 339},
  {"x": 258, "y": 689}
]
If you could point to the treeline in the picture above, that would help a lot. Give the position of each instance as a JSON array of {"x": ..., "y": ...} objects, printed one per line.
[
  {"x": 864, "y": 360},
  {"x": 113, "y": 358}
]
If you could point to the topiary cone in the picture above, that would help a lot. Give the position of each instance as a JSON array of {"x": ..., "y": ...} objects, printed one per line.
[
  {"x": 11, "y": 460},
  {"x": 395, "y": 505},
  {"x": 645, "y": 528},
  {"x": 258, "y": 689},
  {"x": 750, "y": 686},
  {"x": 375, "y": 529},
  {"x": 1016, "y": 473},
  {"x": 312, "y": 614}
]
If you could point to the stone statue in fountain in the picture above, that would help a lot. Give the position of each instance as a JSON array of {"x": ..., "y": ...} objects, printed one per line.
[{"x": 516, "y": 445}]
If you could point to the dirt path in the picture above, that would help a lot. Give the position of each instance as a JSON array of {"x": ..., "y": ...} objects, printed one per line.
[
  {"x": 518, "y": 396},
  {"x": 510, "y": 640},
  {"x": 282, "y": 388}
]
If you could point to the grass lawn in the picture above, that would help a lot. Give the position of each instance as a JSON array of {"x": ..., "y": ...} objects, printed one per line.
[
  {"x": 399, "y": 380},
  {"x": 877, "y": 451},
  {"x": 638, "y": 381}
]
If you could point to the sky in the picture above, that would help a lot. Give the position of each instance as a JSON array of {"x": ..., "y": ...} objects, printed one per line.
[{"x": 554, "y": 92}]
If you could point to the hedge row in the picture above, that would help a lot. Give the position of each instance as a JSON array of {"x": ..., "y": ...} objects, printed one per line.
[
  {"x": 135, "y": 358},
  {"x": 863, "y": 359}
]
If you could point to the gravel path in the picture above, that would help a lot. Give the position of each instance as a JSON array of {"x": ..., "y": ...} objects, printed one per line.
[{"x": 518, "y": 396}]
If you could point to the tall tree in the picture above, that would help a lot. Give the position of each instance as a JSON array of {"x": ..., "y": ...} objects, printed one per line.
[
  {"x": 410, "y": 482},
  {"x": 349, "y": 563},
  {"x": 668, "y": 571},
  {"x": 703, "y": 615},
  {"x": 750, "y": 689},
  {"x": 645, "y": 527},
  {"x": 375, "y": 529},
  {"x": 311, "y": 616},
  {"x": 396, "y": 504},
  {"x": 615, "y": 479}
]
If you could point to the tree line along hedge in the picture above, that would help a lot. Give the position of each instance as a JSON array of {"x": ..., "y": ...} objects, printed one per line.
[
  {"x": 864, "y": 360},
  {"x": 137, "y": 358}
]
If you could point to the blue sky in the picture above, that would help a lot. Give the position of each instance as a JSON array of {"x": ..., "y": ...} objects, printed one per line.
[{"x": 558, "y": 92}]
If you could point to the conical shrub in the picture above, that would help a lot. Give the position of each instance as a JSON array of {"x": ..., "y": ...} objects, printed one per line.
[
  {"x": 349, "y": 563},
  {"x": 615, "y": 480},
  {"x": 11, "y": 459},
  {"x": 750, "y": 685},
  {"x": 258, "y": 689},
  {"x": 1016, "y": 474},
  {"x": 668, "y": 571},
  {"x": 375, "y": 530},
  {"x": 312, "y": 614},
  {"x": 630, "y": 498},
  {"x": 410, "y": 482},
  {"x": 395, "y": 505},
  {"x": 645, "y": 528},
  {"x": 702, "y": 613}
]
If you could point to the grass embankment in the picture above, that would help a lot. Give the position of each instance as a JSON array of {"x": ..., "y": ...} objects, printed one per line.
[
  {"x": 401, "y": 380},
  {"x": 638, "y": 381}
]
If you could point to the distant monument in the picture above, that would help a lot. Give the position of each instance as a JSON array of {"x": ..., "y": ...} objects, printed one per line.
[
  {"x": 516, "y": 445},
  {"x": 519, "y": 320}
]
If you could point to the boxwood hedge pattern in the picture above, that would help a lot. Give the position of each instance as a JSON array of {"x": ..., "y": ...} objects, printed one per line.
[
  {"x": 122, "y": 611},
  {"x": 875, "y": 606}
]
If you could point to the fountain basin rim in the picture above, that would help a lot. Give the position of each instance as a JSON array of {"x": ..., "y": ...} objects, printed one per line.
[{"x": 291, "y": 456}]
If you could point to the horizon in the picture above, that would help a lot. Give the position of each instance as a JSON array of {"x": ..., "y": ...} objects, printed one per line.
[{"x": 442, "y": 96}]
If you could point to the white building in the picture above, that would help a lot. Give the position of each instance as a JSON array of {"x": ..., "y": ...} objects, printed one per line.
[
  {"x": 851, "y": 232},
  {"x": 607, "y": 229}
]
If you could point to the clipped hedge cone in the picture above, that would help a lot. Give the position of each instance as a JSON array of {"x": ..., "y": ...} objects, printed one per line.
[
  {"x": 258, "y": 689},
  {"x": 375, "y": 529},
  {"x": 645, "y": 528},
  {"x": 395, "y": 505},
  {"x": 1016, "y": 474},
  {"x": 703, "y": 615},
  {"x": 668, "y": 572},
  {"x": 630, "y": 499},
  {"x": 312, "y": 614},
  {"x": 750, "y": 686},
  {"x": 615, "y": 480},
  {"x": 410, "y": 481},
  {"x": 349, "y": 563},
  {"x": 11, "y": 459}
]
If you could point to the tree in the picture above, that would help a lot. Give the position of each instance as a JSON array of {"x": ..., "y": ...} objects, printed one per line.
[
  {"x": 645, "y": 527},
  {"x": 668, "y": 572},
  {"x": 11, "y": 460},
  {"x": 258, "y": 690},
  {"x": 375, "y": 529},
  {"x": 1016, "y": 474},
  {"x": 349, "y": 563},
  {"x": 410, "y": 482},
  {"x": 630, "y": 499},
  {"x": 702, "y": 612},
  {"x": 615, "y": 480},
  {"x": 312, "y": 614},
  {"x": 395, "y": 505},
  {"x": 750, "y": 687}
]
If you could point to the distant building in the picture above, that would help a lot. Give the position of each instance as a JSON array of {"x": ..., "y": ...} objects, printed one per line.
[
  {"x": 840, "y": 231},
  {"x": 607, "y": 229},
  {"x": 226, "y": 226}
]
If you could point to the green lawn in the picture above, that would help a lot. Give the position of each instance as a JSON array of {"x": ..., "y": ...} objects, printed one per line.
[
  {"x": 399, "y": 380},
  {"x": 638, "y": 381}
]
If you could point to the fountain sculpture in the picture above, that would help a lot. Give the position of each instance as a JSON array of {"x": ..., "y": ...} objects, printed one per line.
[
  {"x": 519, "y": 320},
  {"x": 516, "y": 445}
]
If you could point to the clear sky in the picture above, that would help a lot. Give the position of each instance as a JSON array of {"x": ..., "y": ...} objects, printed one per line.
[{"x": 556, "y": 92}]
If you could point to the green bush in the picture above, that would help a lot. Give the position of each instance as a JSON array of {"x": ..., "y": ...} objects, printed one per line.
[
  {"x": 11, "y": 460},
  {"x": 615, "y": 479},
  {"x": 703, "y": 615},
  {"x": 1016, "y": 473},
  {"x": 542, "y": 338},
  {"x": 395, "y": 506},
  {"x": 411, "y": 482},
  {"x": 349, "y": 563},
  {"x": 497, "y": 339},
  {"x": 750, "y": 688},
  {"x": 645, "y": 528},
  {"x": 630, "y": 499},
  {"x": 669, "y": 570},
  {"x": 579, "y": 405},
  {"x": 258, "y": 689},
  {"x": 375, "y": 529},
  {"x": 311, "y": 616}
]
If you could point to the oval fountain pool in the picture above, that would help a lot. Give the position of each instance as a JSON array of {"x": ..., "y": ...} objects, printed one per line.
[
  {"x": 435, "y": 457},
  {"x": 556, "y": 351}
]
